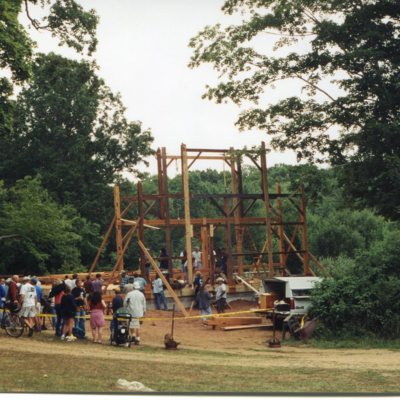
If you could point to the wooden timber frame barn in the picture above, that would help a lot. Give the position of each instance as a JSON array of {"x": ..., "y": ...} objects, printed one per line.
[{"x": 234, "y": 208}]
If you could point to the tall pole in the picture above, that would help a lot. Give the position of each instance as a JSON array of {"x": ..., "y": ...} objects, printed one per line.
[
  {"x": 236, "y": 200},
  {"x": 228, "y": 241},
  {"x": 160, "y": 184},
  {"x": 166, "y": 209},
  {"x": 141, "y": 225},
  {"x": 186, "y": 200},
  {"x": 264, "y": 185},
  {"x": 118, "y": 227},
  {"x": 282, "y": 259},
  {"x": 304, "y": 238}
]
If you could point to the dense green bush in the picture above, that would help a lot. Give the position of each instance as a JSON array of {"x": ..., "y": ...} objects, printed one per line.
[{"x": 363, "y": 299}]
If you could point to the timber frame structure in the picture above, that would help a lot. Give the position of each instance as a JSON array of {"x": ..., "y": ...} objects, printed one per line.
[{"x": 234, "y": 220}]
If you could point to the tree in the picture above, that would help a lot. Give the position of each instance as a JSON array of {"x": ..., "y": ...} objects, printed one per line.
[
  {"x": 38, "y": 235},
  {"x": 348, "y": 110},
  {"x": 71, "y": 129},
  {"x": 65, "y": 19}
]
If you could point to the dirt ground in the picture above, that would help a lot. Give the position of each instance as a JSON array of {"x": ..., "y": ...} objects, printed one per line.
[{"x": 251, "y": 343}]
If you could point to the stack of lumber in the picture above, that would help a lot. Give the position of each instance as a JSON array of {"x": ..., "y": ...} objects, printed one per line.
[{"x": 235, "y": 323}]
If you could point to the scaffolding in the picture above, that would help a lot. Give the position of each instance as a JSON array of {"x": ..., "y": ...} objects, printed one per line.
[{"x": 282, "y": 237}]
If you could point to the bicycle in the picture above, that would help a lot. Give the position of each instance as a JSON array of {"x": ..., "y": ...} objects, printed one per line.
[{"x": 12, "y": 322}]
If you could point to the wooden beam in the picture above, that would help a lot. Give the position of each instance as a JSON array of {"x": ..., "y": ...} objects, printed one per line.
[
  {"x": 141, "y": 226},
  {"x": 118, "y": 226},
  {"x": 240, "y": 327},
  {"x": 161, "y": 275},
  {"x": 282, "y": 260},
  {"x": 304, "y": 238},
  {"x": 168, "y": 239},
  {"x": 264, "y": 185},
  {"x": 186, "y": 199}
]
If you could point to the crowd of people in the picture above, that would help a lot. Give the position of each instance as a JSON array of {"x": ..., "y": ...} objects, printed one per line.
[{"x": 72, "y": 300}]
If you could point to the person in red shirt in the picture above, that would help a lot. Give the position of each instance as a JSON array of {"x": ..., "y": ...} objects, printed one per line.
[{"x": 12, "y": 294}]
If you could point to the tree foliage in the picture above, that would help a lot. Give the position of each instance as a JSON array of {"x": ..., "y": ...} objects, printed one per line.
[
  {"x": 38, "y": 235},
  {"x": 71, "y": 129},
  {"x": 65, "y": 19},
  {"x": 347, "y": 60}
]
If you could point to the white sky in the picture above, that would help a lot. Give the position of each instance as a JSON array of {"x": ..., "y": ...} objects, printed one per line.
[{"x": 143, "y": 53}]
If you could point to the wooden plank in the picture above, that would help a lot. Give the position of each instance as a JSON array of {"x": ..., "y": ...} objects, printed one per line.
[
  {"x": 232, "y": 321},
  {"x": 161, "y": 275},
  {"x": 238, "y": 327}
]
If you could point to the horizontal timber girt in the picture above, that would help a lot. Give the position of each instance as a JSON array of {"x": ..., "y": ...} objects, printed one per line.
[
  {"x": 213, "y": 221},
  {"x": 246, "y": 196}
]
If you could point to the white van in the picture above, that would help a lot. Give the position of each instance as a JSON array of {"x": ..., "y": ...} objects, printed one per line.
[{"x": 292, "y": 290}]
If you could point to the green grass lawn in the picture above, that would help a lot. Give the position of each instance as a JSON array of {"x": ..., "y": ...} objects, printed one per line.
[{"x": 79, "y": 371}]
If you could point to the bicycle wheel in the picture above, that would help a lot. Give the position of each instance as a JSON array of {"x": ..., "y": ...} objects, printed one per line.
[{"x": 14, "y": 325}]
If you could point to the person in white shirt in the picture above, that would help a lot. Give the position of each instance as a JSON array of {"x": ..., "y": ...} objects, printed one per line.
[
  {"x": 68, "y": 281},
  {"x": 135, "y": 303},
  {"x": 28, "y": 301},
  {"x": 220, "y": 295},
  {"x": 196, "y": 255},
  {"x": 159, "y": 296}
]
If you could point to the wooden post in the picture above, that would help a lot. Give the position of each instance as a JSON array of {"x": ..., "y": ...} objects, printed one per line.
[
  {"x": 166, "y": 209},
  {"x": 118, "y": 226},
  {"x": 160, "y": 174},
  {"x": 205, "y": 251},
  {"x": 282, "y": 260},
  {"x": 188, "y": 226},
  {"x": 141, "y": 225},
  {"x": 161, "y": 275},
  {"x": 236, "y": 213},
  {"x": 240, "y": 211},
  {"x": 228, "y": 241},
  {"x": 304, "y": 239},
  {"x": 264, "y": 185}
]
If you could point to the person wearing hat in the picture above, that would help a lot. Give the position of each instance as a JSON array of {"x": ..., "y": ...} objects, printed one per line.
[
  {"x": 220, "y": 295},
  {"x": 135, "y": 303},
  {"x": 203, "y": 299},
  {"x": 28, "y": 300}
]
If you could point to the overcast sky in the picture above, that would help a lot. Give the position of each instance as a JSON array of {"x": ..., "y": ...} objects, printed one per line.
[{"x": 143, "y": 53}]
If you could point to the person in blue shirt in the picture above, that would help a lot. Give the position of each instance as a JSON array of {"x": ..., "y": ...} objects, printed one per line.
[
  {"x": 3, "y": 292},
  {"x": 142, "y": 282},
  {"x": 159, "y": 296}
]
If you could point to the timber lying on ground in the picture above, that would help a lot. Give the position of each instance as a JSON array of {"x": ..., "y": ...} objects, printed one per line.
[
  {"x": 222, "y": 321},
  {"x": 240, "y": 327}
]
